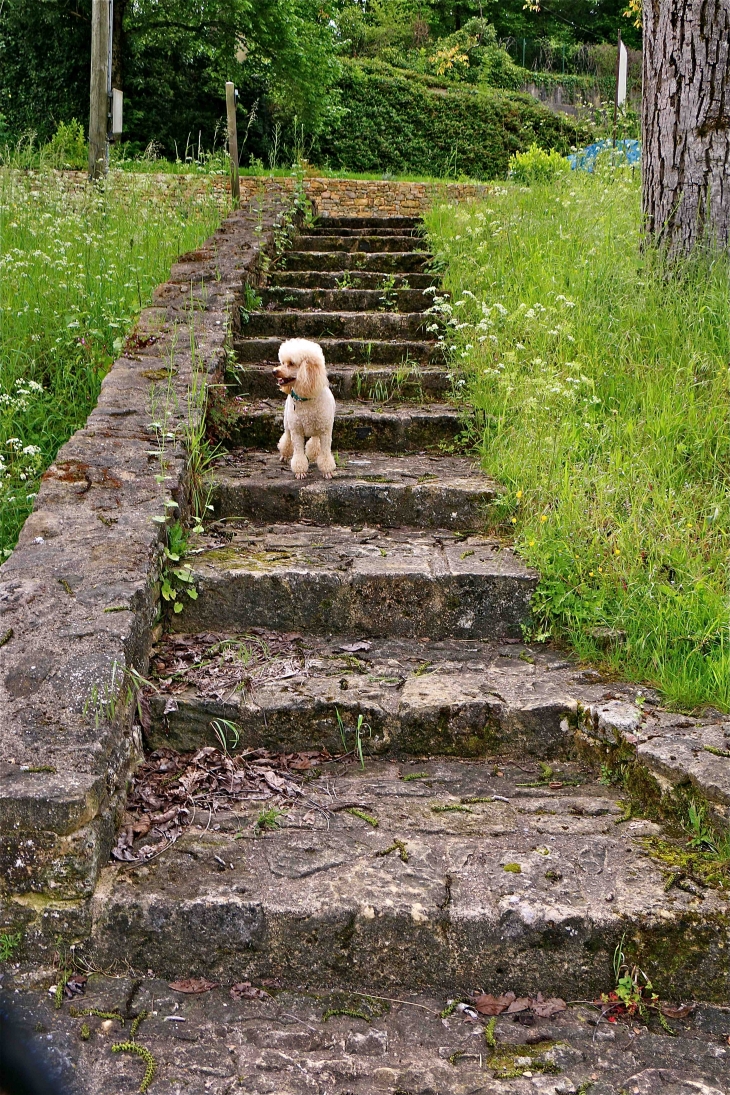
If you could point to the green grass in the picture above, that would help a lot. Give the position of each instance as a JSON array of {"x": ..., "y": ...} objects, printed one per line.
[
  {"x": 77, "y": 264},
  {"x": 599, "y": 395}
]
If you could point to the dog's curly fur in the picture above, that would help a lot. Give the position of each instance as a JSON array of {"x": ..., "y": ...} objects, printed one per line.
[{"x": 312, "y": 414}]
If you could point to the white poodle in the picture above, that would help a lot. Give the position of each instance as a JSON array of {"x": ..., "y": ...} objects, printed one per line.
[{"x": 310, "y": 407}]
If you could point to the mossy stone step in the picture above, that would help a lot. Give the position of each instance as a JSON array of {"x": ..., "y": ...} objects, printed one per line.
[
  {"x": 382, "y": 299},
  {"x": 350, "y": 325},
  {"x": 392, "y": 491},
  {"x": 397, "y": 262},
  {"x": 404, "y": 583},
  {"x": 403, "y": 427},
  {"x": 362, "y": 230},
  {"x": 354, "y": 244},
  {"x": 323, "y": 279},
  {"x": 455, "y": 698},
  {"x": 498, "y": 885},
  {"x": 396, "y": 383},
  {"x": 347, "y": 351}
]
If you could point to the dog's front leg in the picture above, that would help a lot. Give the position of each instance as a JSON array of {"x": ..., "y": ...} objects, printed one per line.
[
  {"x": 299, "y": 463},
  {"x": 285, "y": 447},
  {"x": 325, "y": 459}
]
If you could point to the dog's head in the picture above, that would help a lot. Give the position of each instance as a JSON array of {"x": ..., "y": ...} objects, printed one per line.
[{"x": 301, "y": 368}]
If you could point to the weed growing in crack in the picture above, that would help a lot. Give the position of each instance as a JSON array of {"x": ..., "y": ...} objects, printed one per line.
[
  {"x": 9, "y": 944},
  {"x": 222, "y": 728},
  {"x": 268, "y": 820}
]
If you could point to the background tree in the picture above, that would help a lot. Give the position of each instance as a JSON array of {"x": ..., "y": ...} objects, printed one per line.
[{"x": 686, "y": 122}]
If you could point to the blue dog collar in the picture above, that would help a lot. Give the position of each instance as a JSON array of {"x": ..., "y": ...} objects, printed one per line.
[{"x": 298, "y": 398}]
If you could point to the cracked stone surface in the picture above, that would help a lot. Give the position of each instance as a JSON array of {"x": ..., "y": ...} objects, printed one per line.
[
  {"x": 504, "y": 878},
  {"x": 401, "y": 582},
  {"x": 280, "y": 1045},
  {"x": 420, "y": 491}
]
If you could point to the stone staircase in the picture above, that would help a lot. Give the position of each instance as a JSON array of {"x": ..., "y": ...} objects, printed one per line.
[{"x": 369, "y": 613}]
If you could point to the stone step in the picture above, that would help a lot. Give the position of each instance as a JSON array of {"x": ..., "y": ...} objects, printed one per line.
[
  {"x": 382, "y": 299},
  {"x": 403, "y": 583},
  {"x": 398, "y": 262},
  {"x": 420, "y": 491},
  {"x": 336, "y": 223},
  {"x": 349, "y": 325},
  {"x": 323, "y": 279},
  {"x": 460, "y": 879},
  {"x": 258, "y": 424},
  {"x": 285, "y": 693},
  {"x": 347, "y": 351},
  {"x": 366, "y": 244},
  {"x": 388, "y": 382},
  {"x": 362, "y": 230},
  {"x": 324, "y": 1041}
]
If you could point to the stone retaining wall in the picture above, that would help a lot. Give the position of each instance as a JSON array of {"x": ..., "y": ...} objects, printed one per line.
[
  {"x": 79, "y": 597},
  {"x": 366, "y": 197}
]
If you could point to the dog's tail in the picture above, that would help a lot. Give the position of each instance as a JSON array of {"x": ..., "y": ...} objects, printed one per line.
[{"x": 312, "y": 448}]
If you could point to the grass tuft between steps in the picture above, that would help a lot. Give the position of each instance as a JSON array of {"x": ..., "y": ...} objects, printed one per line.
[{"x": 597, "y": 387}]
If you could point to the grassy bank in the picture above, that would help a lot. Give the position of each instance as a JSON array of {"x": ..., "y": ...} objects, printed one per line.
[
  {"x": 599, "y": 391},
  {"x": 77, "y": 263}
]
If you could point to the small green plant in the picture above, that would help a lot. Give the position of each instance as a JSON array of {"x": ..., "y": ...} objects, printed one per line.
[
  {"x": 388, "y": 295},
  {"x": 345, "y": 280},
  {"x": 251, "y": 302},
  {"x": 360, "y": 727},
  {"x": 222, "y": 728},
  {"x": 9, "y": 944},
  {"x": 489, "y": 1033},
  {"x": 268, "y": 820},
  {"x": 703, "y": 836},
  {"x": 537, "y": 166},
  {"x": 176, "y": 578},
  {"x": 356, "y": 812},
  {"x": 145, "y": 1055}
]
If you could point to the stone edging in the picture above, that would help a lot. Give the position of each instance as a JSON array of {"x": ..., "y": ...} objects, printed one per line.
[{"x": 79, "y": 597}]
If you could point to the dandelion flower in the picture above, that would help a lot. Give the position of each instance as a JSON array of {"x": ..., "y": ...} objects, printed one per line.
[{"x": 543, "y": 518}]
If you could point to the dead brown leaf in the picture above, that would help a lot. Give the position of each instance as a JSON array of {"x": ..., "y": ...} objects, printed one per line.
[
  {"x": 679, "y": 1011},
  {"x": 486, "y": 1004},
  {"x": 193, "y": 985},
  {"x": 244, "y": 990}
]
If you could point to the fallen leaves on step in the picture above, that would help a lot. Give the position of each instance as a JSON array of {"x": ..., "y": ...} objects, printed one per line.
[
  {"x": 219, "y": 667},
  {"x": 193, "y": 985},
  {"x": 511, "y": 1004},
  {"x": 244, "y": 990},
  {"x": 353, "y": 648},
  {"x": 679, "y": 1011},
  {"x": 170, "y": 789},
  {"x": 75, "y": 986}
]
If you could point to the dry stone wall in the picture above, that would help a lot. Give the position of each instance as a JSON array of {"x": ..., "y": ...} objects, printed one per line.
[{"x": 368, "y": 197}]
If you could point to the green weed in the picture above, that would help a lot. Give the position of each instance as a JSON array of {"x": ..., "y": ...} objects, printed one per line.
[
  {"x": 9, "y": 944},
  {"x": 268, "y": 820},
  {"x": 597, "y": 387}
]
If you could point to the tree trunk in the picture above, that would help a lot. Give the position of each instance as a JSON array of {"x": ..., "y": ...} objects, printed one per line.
[
  {"x": 686, "y": 122},
  {"x": 118, "y": 44}
]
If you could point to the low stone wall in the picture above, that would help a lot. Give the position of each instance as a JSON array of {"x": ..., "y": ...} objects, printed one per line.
[
  {"x": 79, "y": 597},
  {"x": 367, "y": 197}
]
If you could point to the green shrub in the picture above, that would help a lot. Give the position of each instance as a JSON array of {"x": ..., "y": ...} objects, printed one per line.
[
  {"x": 398, "y": 125},
  {"x": 67, "y": 147},
  {"x": 537, "y": 166}
]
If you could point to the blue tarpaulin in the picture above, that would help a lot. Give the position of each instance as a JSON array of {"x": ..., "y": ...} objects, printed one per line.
[{"x": 626, "y": 152}]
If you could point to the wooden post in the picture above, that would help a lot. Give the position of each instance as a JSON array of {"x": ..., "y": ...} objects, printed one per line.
[
  {"x": 232, "y": 140},
  {"x": 99, "y": 98}
]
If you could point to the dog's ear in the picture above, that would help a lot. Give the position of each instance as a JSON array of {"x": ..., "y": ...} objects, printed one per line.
[{"x": 311, "y": 377}]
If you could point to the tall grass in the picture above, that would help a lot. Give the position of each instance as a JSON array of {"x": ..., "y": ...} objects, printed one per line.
[
  {"x": 77, "y": 264},
  {"x": 598, "y": 385}
]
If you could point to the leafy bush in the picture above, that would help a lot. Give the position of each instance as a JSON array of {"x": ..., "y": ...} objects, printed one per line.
[
  {"x": 401, "y": 126},
  {"x": 537, "y": 166},
  {"x": 67, "y": 147}
]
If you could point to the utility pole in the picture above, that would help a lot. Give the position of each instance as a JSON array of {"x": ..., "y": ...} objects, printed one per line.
[
  {"x": 232, "y": 140},
  {"x": 101, "y": 22}
]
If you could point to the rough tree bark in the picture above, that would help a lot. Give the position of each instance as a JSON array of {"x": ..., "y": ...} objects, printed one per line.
[{"x": 686, "y": 122}]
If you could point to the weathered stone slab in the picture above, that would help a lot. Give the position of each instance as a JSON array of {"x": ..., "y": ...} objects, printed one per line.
[
  {"x": 321, "y": 279},
  {"x": 420, "y": 491},
  {"x": 337, "y": 580},
  {"x": 339, "y": 351},
  {"x": 385, "y": 261},
  {"x": 281, "y": 1044},
  {"x": 363, "y": 427},
  {"x": 523, "y": 887},
  {"x": 444, "y": 698},
  {"x": 360, "y": 243},
  {"x": 396, "y": 382},
  {"x": 349, "y": 325},
  {"x": 348, "y": 300}
]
